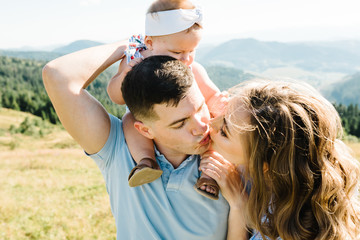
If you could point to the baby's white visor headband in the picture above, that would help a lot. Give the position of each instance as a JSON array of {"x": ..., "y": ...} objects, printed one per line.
[{"x": 172, "y": 21}]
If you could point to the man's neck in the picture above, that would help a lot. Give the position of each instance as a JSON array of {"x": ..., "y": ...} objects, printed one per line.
[{"x": 173, "y": 157}]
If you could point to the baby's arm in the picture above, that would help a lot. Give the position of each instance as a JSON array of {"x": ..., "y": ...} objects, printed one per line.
[
  {"x": 215, "y": 100},
  {"x": 232, "y": 188},
  {"x": 114, "y": 86},
  {"x": 207, "y": 87},
  {"x": 139, "y": 146}
]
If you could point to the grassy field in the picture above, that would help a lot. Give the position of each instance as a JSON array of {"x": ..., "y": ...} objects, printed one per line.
[{"x": 48, "y": 188}]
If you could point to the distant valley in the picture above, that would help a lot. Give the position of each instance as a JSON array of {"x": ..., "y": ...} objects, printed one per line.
[{"x": 332, "y": 67}]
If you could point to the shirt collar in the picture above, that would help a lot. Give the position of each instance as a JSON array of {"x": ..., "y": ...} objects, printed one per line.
[{"x": 162, "y": 159}]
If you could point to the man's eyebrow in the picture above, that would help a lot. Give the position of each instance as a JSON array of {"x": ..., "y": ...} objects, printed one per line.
[{"x": 226, "y": 126}]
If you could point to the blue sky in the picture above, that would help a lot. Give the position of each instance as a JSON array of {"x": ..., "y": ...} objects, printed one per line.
[{"x": 56, "y": 22}]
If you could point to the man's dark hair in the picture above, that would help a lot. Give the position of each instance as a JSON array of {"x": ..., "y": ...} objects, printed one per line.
[{"x": 155, "y": 80}]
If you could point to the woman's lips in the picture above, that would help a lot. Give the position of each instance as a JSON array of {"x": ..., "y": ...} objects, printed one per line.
[{"x": 205, "y": 140}]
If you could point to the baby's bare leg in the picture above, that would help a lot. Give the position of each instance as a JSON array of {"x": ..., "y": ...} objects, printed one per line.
[
  {"x": 140, "y": 147},
  {"x": 142, "y": 151}
]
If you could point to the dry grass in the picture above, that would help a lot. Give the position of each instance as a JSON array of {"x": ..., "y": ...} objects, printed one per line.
[
  {"x": 355, "y": 149},
  {"x": 49, "y": 189}
]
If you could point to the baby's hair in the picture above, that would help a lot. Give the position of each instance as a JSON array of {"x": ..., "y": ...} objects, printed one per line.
[{"x": 167, "y": 5}]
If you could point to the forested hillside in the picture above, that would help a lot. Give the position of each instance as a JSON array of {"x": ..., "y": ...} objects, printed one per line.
[
  {"x": 350, "y": 118},
  {"x": 38, "y": 55},
  {"x": 21, "y": 88},
  {"x": 227, "y": 77},
  {"x": 76, "y": 46}
]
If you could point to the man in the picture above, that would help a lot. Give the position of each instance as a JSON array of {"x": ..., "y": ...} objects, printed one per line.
[{"x": 177, "y": 121}]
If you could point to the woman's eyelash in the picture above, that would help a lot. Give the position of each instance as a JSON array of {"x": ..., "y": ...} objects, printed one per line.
[{"x": 222, "y": 132}]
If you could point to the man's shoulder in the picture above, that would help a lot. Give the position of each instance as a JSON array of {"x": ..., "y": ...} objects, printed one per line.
[
  {"x": 114, "y": 119},
  {"x": 116, "y": 126},
  {"x": 114, "y": 147},
  {"x": 116, "y": 137}
]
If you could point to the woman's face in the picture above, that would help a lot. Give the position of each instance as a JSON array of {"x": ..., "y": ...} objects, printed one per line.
[{"x": 228, "y": 140}]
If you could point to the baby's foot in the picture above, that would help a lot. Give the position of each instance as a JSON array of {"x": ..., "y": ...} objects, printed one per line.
[
  {"x": 207, "y": 187},
  {"x": 145, "y": 172}
]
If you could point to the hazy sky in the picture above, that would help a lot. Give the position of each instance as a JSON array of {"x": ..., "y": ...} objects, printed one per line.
[{"x": 57, "y": 22}]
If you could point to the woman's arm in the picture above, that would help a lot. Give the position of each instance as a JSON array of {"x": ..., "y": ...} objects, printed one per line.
[{"x": 232, "y": 188}]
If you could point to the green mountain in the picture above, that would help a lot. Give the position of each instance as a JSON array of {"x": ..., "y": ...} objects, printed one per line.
[
  {"x": 227, "y": 77},
  {"x": 76, "y": 46},
  {"x": 227, "y": 64},
  {"x": 258, "y": 56},
  {"x": 50, "y": 55},
  {"x": 346, "y": 91},
  {"x": 21, "y": 88},
  {"x": 35, "y": 55}
]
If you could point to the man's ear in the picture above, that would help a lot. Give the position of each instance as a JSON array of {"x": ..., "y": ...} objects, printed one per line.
[
  {"x": 143, "y": 129},
  {"x": 149, "y": 42}
]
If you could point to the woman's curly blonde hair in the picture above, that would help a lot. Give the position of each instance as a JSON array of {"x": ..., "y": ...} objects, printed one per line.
[{"x": 309, "y": 188}]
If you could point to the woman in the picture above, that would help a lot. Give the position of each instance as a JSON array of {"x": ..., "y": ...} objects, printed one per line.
[{"x": 284, "y": 139}]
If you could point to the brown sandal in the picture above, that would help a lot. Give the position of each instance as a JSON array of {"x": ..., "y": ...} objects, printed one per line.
[
  {"x": 207, "y": 182},
  {"x": 142, "y": 173}
]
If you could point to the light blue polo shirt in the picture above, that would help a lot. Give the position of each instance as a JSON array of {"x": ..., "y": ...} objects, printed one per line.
[{"x": 168, "y": 208}]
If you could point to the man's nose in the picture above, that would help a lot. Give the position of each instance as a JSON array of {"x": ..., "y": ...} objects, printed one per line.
[{"x": 201, "y": 125}]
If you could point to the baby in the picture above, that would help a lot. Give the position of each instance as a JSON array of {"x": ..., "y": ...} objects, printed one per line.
[{"x": 173, "y": 28}]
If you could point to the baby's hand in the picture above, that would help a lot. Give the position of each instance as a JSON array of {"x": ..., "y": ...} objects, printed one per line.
[
  {"x": 114, "y": 86},
  {"x": 130, "y": 65},
  {"x": 217, "y": 103}
]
